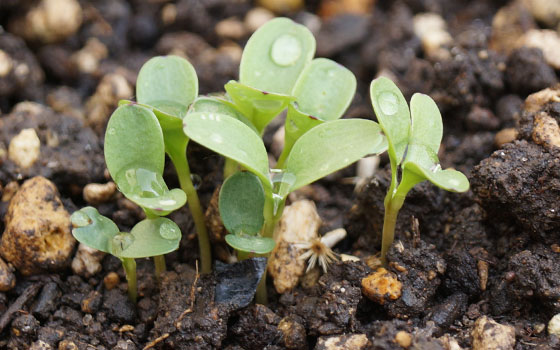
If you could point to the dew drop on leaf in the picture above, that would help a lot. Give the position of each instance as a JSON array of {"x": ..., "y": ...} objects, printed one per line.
[
  {"x": 169, "y": 231},
  {"x": 80, "y": 219},
  {"x": 388, "y": 102},
  {"x": 120, "y": 242},
  {"x": 286, "y": 50},
  {"x": 111, "y": 131}
]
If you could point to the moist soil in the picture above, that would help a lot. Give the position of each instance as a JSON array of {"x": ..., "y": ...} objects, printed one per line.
[{"x": 492, "y": 251}]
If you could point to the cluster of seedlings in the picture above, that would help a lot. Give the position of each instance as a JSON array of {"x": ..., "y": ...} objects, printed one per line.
[{"x": 277, "y": 72}]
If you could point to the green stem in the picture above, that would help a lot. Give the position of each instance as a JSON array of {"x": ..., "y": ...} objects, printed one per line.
[
  {"x": 230, "y": 167},
  {"x": 129, "y": 265},
  {"x": 262, "y": 296},
  {"x": 184, "y": 175},
  {"x": 159, "y": 262}
]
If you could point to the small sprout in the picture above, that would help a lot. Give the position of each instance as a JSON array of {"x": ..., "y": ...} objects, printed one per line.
[
  {"x": 150, "y": 237},
  {"x": 413, "y": 142}
]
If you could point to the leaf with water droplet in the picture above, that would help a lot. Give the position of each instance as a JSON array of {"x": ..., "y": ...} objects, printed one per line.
[
  {"x": 230, "y": 138},
  {"x": 250, "y": 244},
  {"x": 219, "y": 106},
  {"x": 121, "y": 242},
  {"x": 329, "y": 147},
  {"x": 152, "y": 237},
  {"x": 241, "y": 203},
  {"x": 393, "y": 115},
  {"x": 93, "y": 229},
  {"x": 425, "y": 137},
  {"x": 275, "y": 55},
  {"x": 135, "y": 156},
  {"x": 259, "y": 107},
  {"x": 148, "y": 190},
  {"x": 168, "y": 83}
]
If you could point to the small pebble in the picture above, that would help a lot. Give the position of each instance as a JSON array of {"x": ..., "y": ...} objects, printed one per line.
[
  {"x": 343, "y": 342},
  {"x": 548, "y": 41},
  {"x": 256, "y": 17},
  {"x": 431, "y": 29},
  {"x": 231, "y": 28},
  {"x": 505, "y": 136},
  {"x": 111, "y": 280},
  {"x": 403, "y": 338},
  {"x": 25, "y": 148},
  {"x": 490, "y": 335},
  {"x": 382, "y": 285},
  {"x": 554, "y": 325},
  {"x": 7, "y": 277},
  {"x": 281, "y": 6},
  {"x": 87, "y": 261},
  {"x": 99, "y": 193}
]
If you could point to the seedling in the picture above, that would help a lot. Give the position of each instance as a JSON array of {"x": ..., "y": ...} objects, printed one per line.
[
  {"x": 413, "y": 140},
  {"x": 134, "y": 153},
  {"x": 168, "y": 86},
  {"x": 150, "y": 237},
  {"x": 272, "y": 62}
]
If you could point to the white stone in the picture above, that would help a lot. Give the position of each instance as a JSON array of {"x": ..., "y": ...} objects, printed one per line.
[
  {"x": 25, "y": 148},
  {"x": 554, "y": 325}
]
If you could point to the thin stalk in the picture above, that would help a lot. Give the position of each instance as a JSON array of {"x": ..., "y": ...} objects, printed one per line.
[
  {"x": 129, "y": 265},
  {"x": 184, "y": 175},
  {"x": 159, "y": 262},
  {"x": 262, "y": 295},
  {"x": 230, "y": 167}
]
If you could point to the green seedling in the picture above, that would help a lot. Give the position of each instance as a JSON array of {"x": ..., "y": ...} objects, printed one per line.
[
  {"x": 150, "y": 237},
  {"x": 413, "y": 140},
  {"x": 168, "y": 86},
  {"x": 272, "y": 62},
  {"x": 134, "y": 153},
  {"x": 320, "y": 151}
]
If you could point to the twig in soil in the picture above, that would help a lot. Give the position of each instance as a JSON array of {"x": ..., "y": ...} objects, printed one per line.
[
  {"x": 192, "y": 297},
  {"x": 27, "y": 295},
  {"x": 156, "y": 341}
]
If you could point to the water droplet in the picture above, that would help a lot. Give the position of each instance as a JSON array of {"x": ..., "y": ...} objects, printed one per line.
[
  {"x": 277, "y": 200},
  {"x": 80, "y": 219},
  {"x": 144, "y": 183},
  {"x": 286, "y": 50},
  {"x": 388, "y": 102},
  {"x": 120, "y": 242},
  {"x": 196, "y": 181},
  {"x": 169, "y": 231},
  {"x": 111, "y": 131},
  {"x": 435, "y": 168},
  {"x": 167, "y": 202},
  {"x": 217, "y": 138},
  {"x": 277, "y": 176}
]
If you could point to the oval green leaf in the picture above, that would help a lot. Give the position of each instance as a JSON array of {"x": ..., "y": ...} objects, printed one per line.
[
  {"x": 93, "y": 229},
  {"x": 329, "y": 147},
  {"x": 325, "y": 89},
  {"x": 219, "y": 106},
  {"x": 425, "y": 138},
  {"x": 148, "y": 189},
  {"x": 133, "y": 139},
  {"x": 231, "y": 138},
  {"x": 259, "y": 106},
  {"x": 168, "y": 83},
  {"x": 250, "y": 244},
  {"x": 275, "y": 55},
  {"x": 241, "y": 204},
  {"x": 148, "y": 238},
  {"x": 393, "y": 115}
]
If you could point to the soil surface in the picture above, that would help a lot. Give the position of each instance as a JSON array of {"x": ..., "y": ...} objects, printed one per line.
[{"x": 475, "y": 270}]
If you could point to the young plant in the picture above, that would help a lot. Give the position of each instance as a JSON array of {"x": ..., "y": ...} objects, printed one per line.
[
  {"x": 150, "y": 237},
  {"x": 272, "y": 62},
  {"x": 320, "y": 151},
  {"x": 168, "y": 86},
  {"x": 413, "y": 140}
]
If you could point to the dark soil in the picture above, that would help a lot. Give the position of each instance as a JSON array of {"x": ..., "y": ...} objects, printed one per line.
[{"x": 492, "y": 251}]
